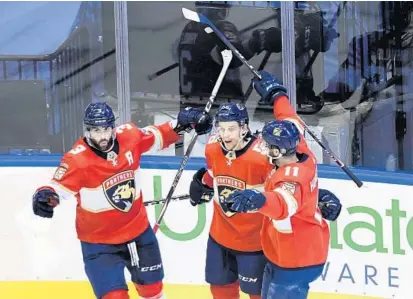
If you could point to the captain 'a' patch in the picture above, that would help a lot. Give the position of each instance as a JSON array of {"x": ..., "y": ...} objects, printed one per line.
[
  {"x": 226, "y": 185},
  {"x": 120, "y": 190}
]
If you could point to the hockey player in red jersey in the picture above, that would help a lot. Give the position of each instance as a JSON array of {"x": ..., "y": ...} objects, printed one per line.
[
  {"x": 294, "y": 236},
  {"x": 102, "y": 172},
  {"x": 234, "y": 258}
]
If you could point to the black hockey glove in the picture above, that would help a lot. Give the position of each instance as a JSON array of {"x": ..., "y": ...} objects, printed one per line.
[
  {"x": 194, "y": 118},
  {"x": 329, "y": 204},
  {"x": 44, "y": 201},
  {"x": 265, "y": 39},
  {"x": 198, "y": 192}
]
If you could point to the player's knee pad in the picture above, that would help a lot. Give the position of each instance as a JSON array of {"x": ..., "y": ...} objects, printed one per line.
[
  {"x": 227, "y": 291},
  {"x": 116, "y": 294},
  {"x": 150, "y": 291},
  {"x": 255, "y": 296}
]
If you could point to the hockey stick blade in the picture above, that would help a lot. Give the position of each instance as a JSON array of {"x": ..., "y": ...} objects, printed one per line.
[
  {"x": 199, "y": 18},
  {"x": 226, "y": 58}
]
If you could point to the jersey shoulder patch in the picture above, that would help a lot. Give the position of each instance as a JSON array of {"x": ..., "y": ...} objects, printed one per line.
[
  {"x": 69, "y": 163},
  {"x": 289, "y": 187},
  {"x": 60, "y": 171}
]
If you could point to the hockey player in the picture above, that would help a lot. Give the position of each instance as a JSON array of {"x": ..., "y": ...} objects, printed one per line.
[
  {"x": 234, "y": 256},
  {"x": 235, "y": 161},
  {"x": 102, "y": 172},
  {"x": 294, "y": 236}
]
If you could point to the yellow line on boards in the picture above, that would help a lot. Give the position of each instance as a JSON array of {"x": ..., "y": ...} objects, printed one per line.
[{"x": 83, "y": 290}]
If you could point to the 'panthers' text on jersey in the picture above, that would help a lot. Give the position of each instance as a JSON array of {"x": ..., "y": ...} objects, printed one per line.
[
  {"x": 250, "y": 168},
  {"x": 110, "y": 207}
]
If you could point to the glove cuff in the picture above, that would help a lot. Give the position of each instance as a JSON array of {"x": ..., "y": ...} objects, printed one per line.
[
  {"x": 275, "y": 95},
  {"x": 180, "y": 129},
  {"x": 271, "y": 98},
  {"x": 46, "y": 188}
]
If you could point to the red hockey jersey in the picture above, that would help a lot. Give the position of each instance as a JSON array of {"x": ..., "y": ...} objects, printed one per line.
[
  {"x": 110, "y": 207},
  {"x": 236, "y": 231}
]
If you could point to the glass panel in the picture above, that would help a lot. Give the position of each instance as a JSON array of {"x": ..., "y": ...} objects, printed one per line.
[
  {"x": 174, "y": 63},
  {"x": 54, "y": 59},
  {"x": 358, "y": 90}
]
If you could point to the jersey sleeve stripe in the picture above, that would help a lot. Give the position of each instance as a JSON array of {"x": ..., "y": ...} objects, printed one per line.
[
  {"x": 158, "y": 142},
  {"x": 63, "y": 192},
  {"x": 283, "y": 226},
  {"x": 259, "y": 187},
  {"x": 289, "y": 199}
]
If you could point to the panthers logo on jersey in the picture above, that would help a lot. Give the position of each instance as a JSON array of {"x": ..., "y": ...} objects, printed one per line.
[
  {"x": 226, "y": 185},
  {"x": 120, "y": 190}
]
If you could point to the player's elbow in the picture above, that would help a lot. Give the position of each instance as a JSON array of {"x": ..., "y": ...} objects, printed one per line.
[{"x": 280, "y": 204}]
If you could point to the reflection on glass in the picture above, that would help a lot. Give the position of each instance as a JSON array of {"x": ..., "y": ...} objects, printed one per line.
[
  {"x": 51, "y": 68},
  {"x": 353, "y": 70},
  {"x": 175, "y": 62},
  {"x": 363, "y": 83}
]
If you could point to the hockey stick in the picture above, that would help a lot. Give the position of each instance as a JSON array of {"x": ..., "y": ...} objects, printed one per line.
[
  {"x": 196, "y": 17},
  {"x": 260, "y": 68},
  {"x": 174, "y": 198},
  {"x": 226, "y": 57},
  {"x": 163, "y": 71}
]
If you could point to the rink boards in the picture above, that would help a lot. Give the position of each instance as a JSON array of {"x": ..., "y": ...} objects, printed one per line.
[{"x": 370, "y": 250}]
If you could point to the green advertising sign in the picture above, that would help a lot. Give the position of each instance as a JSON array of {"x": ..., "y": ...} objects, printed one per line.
[{"x": 342, "y": 234}]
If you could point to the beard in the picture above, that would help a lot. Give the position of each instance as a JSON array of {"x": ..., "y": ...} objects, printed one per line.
[{"x": 103, "y": 144}]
